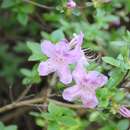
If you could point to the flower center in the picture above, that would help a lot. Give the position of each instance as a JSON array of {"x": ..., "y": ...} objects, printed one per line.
[
  {"x": 59, "y": 58},
  {"x": 85, "y": 85}
]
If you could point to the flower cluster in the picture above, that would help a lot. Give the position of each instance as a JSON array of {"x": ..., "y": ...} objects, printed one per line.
[{"x": 61, "y": 55}]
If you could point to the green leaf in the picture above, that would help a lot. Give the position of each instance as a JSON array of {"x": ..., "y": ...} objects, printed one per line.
[
  {"x": 119, "y": 96},
  {"x": 40, "y": 122},
  {"x": 59, "y": 111},
  {"x": 93, "y": 116},
  {"x": 123, "y": 124},
  {"x": 34, "y": 47},
  {"x": 52, "y": 17},
  {"x": 26, "y": 9},
  {"x": 47, "y": 116},
  {"x": 53, "y": 126},
  {"x": 22, "y": 18},
  {"x": 9, "y": 3},
  {"x": 67, "y": 112},
  {"x": 115, "y": 78},
  {"x": 121, "y": 47},
  {"x": 54, "y": 109},
  {"x": 111, "y": 61},
  {"x": 26, "y": 72},
  {"x": 31, "y": 76},
  {"x": 12, "y": 127},
  {"x": 26, "y": 81},
  {"x": 103, "y": 95},
  {"x": 36, "y": 114},
  {"x": 68, "y": 121},
  {"x": 108, "y": 128},
  {"x": 57, "y": 35},
  {"x": 45, "y": 35},
  {"x": 2, "y": 126},
  {"x": 36, "y": 52},
  {"x": 37, "y": 57}
]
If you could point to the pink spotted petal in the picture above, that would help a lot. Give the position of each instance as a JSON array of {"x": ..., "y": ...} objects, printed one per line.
[
  {"x": 89, "y": 99},
  {"x": 64, "y": 74},
  {"x": 46, "y": 67},
  {"x": 71, "y": 93},
  {"x": 48, "y": 48},
  {"x": 95, "y": 79}
]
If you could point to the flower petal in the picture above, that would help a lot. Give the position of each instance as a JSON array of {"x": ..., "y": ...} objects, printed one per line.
[
  {"x": 46, "y": 67},
  {"x": 124, "y": 112},
  {"x": 64, "y": 74},
  {"x": 73, "y": 56},
  {"x": 96, "y": 79},
  {"x": 62, "y": 46},
  {"x": 71, "y": 93},
  {"x": 47, "y": 48},
  {"x": 89, "y": 99},
  {"x": 77, "y": 40},
  {"x": 79, "y": 73}
]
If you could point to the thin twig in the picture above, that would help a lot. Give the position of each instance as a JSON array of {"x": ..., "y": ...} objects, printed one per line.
[
  {"x": 74, "y": 106},
  {"x": 21, "y": 104},
  {"x": 39, "y": 5},
  {"x": 36, "y": 101},
  {"x": 14, "y": 114},
  {"x": 23, "y": 94}
]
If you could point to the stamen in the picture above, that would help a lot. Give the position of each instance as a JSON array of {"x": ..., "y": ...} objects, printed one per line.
[{"x": 73, "y": 42}]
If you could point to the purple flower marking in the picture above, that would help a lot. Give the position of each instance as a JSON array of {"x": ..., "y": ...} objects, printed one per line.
[
  {"x": 71, "y": 4},
  {"x": 60, "y": 56},
  {"x": 85, "y": 88},
  {"x": 124, "y": 112}
]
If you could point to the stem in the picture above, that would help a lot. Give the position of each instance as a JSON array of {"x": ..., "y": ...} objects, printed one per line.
[
  {"x": 39, "y": 5},
  {"x": 74, "y": 106},
  {"x": 35, "y": 101},
  {"x": 21, "y": 104},
  {"x": 23, "y": 94}
]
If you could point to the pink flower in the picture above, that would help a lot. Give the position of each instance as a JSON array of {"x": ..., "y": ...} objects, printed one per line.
[
  {"x": 77, "y": 43},
  {"x": 124, "y": 112},
  {"x": 71, "y": 4},
  {"x": 85, "y": 88},
  {"x": 60, "y": 56}
]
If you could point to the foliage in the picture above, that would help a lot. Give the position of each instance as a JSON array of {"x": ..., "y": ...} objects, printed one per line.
[
  {"x": 106, "y": 32},
  {"x": 10, "y": 127},
  {"x": 58, "y": 118}
]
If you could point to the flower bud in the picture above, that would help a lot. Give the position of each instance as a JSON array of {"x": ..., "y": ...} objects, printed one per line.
[{"x": 71, "y": 4}]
